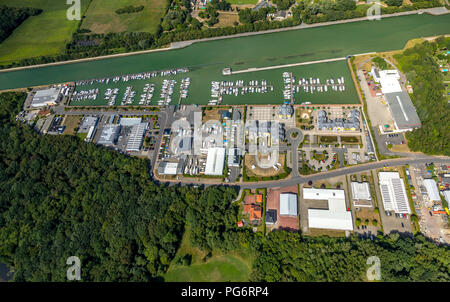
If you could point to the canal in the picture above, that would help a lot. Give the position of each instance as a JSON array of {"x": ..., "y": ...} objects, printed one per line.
[{"x": 207, "y": 59}]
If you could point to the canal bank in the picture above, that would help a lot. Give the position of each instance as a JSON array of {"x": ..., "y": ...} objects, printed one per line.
[{"x": 207, "y": 59}]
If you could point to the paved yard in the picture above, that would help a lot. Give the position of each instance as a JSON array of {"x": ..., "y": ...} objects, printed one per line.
[{"x": 273, "y": 202}]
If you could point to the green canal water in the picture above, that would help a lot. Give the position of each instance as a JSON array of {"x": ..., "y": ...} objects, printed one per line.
[{"x": 207, "y": 59}]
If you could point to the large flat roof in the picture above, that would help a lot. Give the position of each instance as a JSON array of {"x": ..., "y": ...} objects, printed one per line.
[
  {"x": 432, "y": 189},
  {"x": 46, "y": 96},
  {"x": 336, "y": 217},
  {"x": 215, "y": 161},
  {"x": 109, "y": 134},
  {"x": 393, "y": 193},
  {"x": 403, "y": 110}
]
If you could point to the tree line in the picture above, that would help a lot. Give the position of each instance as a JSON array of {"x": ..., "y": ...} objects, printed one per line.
[
  {"x": 422, "y": 71},
  {"x": 178, "y": 25},
  {"x": 129, "y": 9}
]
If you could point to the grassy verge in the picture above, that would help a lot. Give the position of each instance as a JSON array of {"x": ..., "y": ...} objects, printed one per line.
[{"x": 411, "y": 203}]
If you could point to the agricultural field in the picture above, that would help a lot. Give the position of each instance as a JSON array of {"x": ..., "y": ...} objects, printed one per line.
[
  {"x": 42, "y": 35},
  {"x": 101, "y": 16}
]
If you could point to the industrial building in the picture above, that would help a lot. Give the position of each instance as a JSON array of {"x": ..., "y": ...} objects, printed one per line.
[
  {"x": 361, "y": 190},
  {"x": 432, "y": 190},
  {"x": 215, "y": 161},
  {"x": 400, "y": 104},
  {"x": 89, "y": 126},
  {"x": 46, "y": 97},
  {"x": 136, "y": 137},
  {"x": 388, "y": 79},
  {"x": 288, "y": 204},
  {"x": 352, "y": 122},
  {"x": 447, "y": 196},
  {"x": 109, "y": 135},
  {"x": 393, "y": 193},
  {"x": 336, "y": 217},
  {"x": 86, "y": 123},
  {"x": 130, "y": 121},
  {"x": 403, "y": 111},
  {"x": 169, "y": 168},
  {"x": 234, "y": 159},
  {"x": 182, "y": 144}
]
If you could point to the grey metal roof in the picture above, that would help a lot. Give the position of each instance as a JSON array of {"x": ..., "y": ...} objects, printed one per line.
[
  {"x": 109, "y": 135},
  {"x": 46, "y": 95},
  {"x": 261, "y": 4},
  {"x": 403, "y": 110}
]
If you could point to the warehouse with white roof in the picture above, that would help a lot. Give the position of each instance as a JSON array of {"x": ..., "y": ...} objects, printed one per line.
[
  {"x": 393, "y": 193},
  {"x": 215, "y": 161},
  {"x": 136, "y": 137},
  {"x": 46, "y": 97},
  {"x": 400, "y": 104},
  {"x": 432, "y": 190},
  {"x": 336, "y": 217},
  {"x": 288, "y": 204}
]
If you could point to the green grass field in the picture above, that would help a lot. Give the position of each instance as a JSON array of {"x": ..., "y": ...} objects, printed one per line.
[
  {"x": 218, "y": 268},
  {"x": 42, "y": 35},
  {"x": 102, "y": 18}
]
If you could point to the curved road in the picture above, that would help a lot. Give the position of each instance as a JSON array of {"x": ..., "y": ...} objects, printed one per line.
[{"x": 299, "y": 179}]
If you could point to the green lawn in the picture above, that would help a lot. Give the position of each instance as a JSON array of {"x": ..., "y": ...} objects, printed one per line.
[
  {"x": 219, "y": 268},
  {"x": 102, "y": 18},
  {"x": 45, "y": 34}
]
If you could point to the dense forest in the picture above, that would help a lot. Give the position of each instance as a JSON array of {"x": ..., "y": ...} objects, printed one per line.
[
  {"x": 11, "y": 18},
  {"x": 422, "y": 71},
  {"x": 63, "y": 197},
  {"x": 287, "y": 256}
]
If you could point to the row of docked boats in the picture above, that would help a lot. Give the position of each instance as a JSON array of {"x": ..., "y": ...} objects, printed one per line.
[
  {"x": 136, "y": 76},
  {"x": 111, "y": 95},
  {"x": 314, "y": 85},
  {"x": 184, "y": 87},
  {"x": 84, "y": 95},
  {"x": 235, "y": 88},
  {"x": 147, "y": 96},
  {"x": 166, "y": 92},
  {"x": 128, "y": 96}
]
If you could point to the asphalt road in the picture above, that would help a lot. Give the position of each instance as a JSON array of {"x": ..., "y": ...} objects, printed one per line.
[{"x": 293, "y": 180}]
